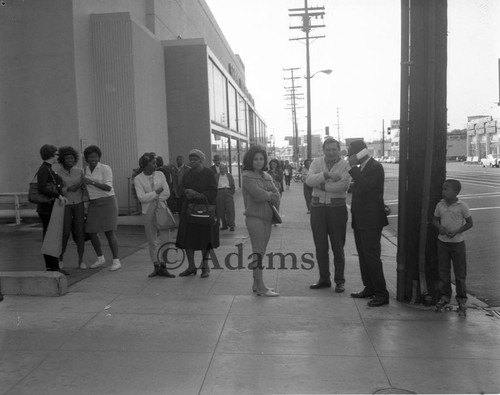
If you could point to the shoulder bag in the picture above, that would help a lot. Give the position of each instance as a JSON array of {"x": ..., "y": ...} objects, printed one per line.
[
  {"x": 34, "y": 195},
  {"x": 164, "y": 218}
]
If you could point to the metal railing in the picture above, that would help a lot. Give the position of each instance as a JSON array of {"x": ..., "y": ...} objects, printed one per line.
[{"x": 18, "y": 212}]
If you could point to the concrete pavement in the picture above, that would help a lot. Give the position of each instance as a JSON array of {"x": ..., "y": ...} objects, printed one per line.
[{"x": 123, "y": 333}]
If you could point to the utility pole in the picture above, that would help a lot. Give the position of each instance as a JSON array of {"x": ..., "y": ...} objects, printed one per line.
[
  {"x": 383, "y": 139},
  {"x": 306, "y": 14},
  {"x": 338, "y": 125},
  {"x": 292, "y": 95},
  {"x": 422, "y": 162}
]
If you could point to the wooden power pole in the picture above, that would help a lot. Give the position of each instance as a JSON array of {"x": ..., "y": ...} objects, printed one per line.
[{"x": 422, "y": 144}]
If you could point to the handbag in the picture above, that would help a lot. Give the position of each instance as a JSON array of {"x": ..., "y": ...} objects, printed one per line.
[
  {"x": 201, "y": 214},
  {"x": 276, "y": 215},
  {"x": 34, "y": 195},
  {"x": 164, "y": 218}
]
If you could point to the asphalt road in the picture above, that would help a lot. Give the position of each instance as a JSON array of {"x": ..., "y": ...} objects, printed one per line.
[{"x": 481, "y": 191}]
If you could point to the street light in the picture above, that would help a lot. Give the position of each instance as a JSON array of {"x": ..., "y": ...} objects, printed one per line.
[{"x": 309, "y": 136}]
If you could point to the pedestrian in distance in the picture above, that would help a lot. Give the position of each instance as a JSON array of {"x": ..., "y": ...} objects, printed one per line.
[
  {"x": 368, "y": 220},
  {"x": 74, "y": 211},
  {"x": 153, "y": 191},
  {"x": 178, "y": 172},
  {"x": 287, "y": 173},
  {"x": 259, "y": 193},
  {"x": 225, "y": 198},
  {"x": 102, "y": 214},
  {"x": 277, "y": 176},
  {"x": 50, "y": 184},
  {"x": 329, "y": 178},
  {"x": 168, "y": 172},
  {"x": 216, "y": 166},
  {"x": 304, "y": 171},
  {"x": 198, "y": 187},
  {"x": 452, "y": 218}
]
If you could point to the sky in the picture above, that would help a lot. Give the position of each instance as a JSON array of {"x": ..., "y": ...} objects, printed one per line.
[{"x": 362, "y": 48}]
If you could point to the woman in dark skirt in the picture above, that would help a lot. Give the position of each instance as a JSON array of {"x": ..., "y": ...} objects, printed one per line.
[
  {"x": 199, "y": 186},
  {"x": 102, "y": 215}
]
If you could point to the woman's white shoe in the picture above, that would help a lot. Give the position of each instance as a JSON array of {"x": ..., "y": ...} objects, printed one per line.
[{"x": 268, "y": 293}]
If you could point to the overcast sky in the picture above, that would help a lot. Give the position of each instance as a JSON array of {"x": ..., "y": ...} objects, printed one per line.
[{"x": 362, "y": 47}]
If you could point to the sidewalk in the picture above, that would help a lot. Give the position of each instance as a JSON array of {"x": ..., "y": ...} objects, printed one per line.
[{"x": 123, "y": 333}]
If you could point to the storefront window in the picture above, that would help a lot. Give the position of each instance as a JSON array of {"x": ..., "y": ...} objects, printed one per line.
[
  {"x": 220, "y": 146},
  {"x": 242, "y": 116},
  {"x": 218, "y": 96},
  {"x": 233, "y": 114}
]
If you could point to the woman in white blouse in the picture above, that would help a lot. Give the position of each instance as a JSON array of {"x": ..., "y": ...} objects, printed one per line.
[
  {"x": 152, "y": 191},
  {"x": 102, "y": 215}
]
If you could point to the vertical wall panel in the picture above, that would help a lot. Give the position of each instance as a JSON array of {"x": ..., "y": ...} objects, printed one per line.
[{"x": 115, "y": 97}]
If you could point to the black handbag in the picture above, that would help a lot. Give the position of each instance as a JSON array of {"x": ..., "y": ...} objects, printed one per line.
[
  {"x": 34, "y": 195},
  {"x": 201, "y": 214},
  {"x": 276, "y": 215}
]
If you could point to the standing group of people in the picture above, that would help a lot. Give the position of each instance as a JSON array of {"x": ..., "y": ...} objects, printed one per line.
[
  {"x": 326, "y": 182},
  {"x": 73, "y": 187}
]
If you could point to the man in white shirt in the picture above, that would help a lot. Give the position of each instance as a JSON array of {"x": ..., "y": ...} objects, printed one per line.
[
  {"x": 225, "y": 198},
  {"x": 329, "y": 177}
]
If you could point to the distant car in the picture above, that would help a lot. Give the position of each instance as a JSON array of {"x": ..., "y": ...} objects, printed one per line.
[
  {"x": 491, "y": 160},
  {"x": 391, "y": 159}
]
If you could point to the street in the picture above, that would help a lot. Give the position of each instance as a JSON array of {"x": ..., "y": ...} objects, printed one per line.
[{"x": 481, "y": 192}]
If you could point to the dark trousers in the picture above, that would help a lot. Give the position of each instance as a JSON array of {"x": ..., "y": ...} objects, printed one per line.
[
  {"x": 287, "y": 180},
  {"x": 448, "y": 253},
  {"x": 74, "y": 223},
  {"x": 51, "y": 262},
  {"x": 329, "y": 224},
  {"x": 225, "y": 207},
  {"x": 370, "y": 264},
  {"x": 308, "y": 195}
]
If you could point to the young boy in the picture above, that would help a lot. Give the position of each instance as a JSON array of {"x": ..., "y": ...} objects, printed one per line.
[{"x": 452, "y": 218}]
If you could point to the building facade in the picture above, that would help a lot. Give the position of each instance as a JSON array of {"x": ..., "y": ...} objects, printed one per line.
[
  {"x": 129, "y": 77},
  {"x": 482, "y": 137}
]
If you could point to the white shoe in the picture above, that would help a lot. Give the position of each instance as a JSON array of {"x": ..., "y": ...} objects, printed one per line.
[
  {"x": 82, "y": 266},
  {"x": 115, "y": 266},
  {"x": 98, "y": 264}
]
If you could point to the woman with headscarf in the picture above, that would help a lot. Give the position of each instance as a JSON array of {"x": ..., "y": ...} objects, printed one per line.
[
  {"x": 152, "y": 191},
  {"x": 199, "y": 186}
]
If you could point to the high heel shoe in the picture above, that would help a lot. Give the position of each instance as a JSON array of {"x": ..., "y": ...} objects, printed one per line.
[
  {"x": 254, "y": 289},
  {"x": 268, "y": 293},
  {"x": 188, "y": 272}
]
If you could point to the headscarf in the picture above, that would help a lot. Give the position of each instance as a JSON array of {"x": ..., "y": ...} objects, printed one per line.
[{"x": 198, "y": 153}]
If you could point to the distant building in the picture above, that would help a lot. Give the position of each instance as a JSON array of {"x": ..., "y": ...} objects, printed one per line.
[
  {"x": 482, "y": 137},
  {"x": 456, "y": 144}
]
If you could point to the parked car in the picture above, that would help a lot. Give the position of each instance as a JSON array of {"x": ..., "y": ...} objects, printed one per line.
[{"x": 491, "y": 160}]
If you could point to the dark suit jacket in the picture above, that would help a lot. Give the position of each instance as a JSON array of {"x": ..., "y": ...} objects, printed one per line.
[
  {"x": 230, "y": 179},
  {"x": 367, "y": 205}
]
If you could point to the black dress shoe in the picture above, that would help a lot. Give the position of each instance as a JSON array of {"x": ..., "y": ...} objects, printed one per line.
[
  {"x": 339, "y": 288},
  {"x": 376, "y": 302},
  {"x": 321, "y": 284},
  {"x": 224, "y": 228},
  {"x": 361, "y": 295},
  {"x": 188, "y": 272}
]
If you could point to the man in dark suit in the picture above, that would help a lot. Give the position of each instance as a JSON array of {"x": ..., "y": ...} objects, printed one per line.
[
  {"x": 368, "y": 220},
  {"x": 216, "y": 166}
]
